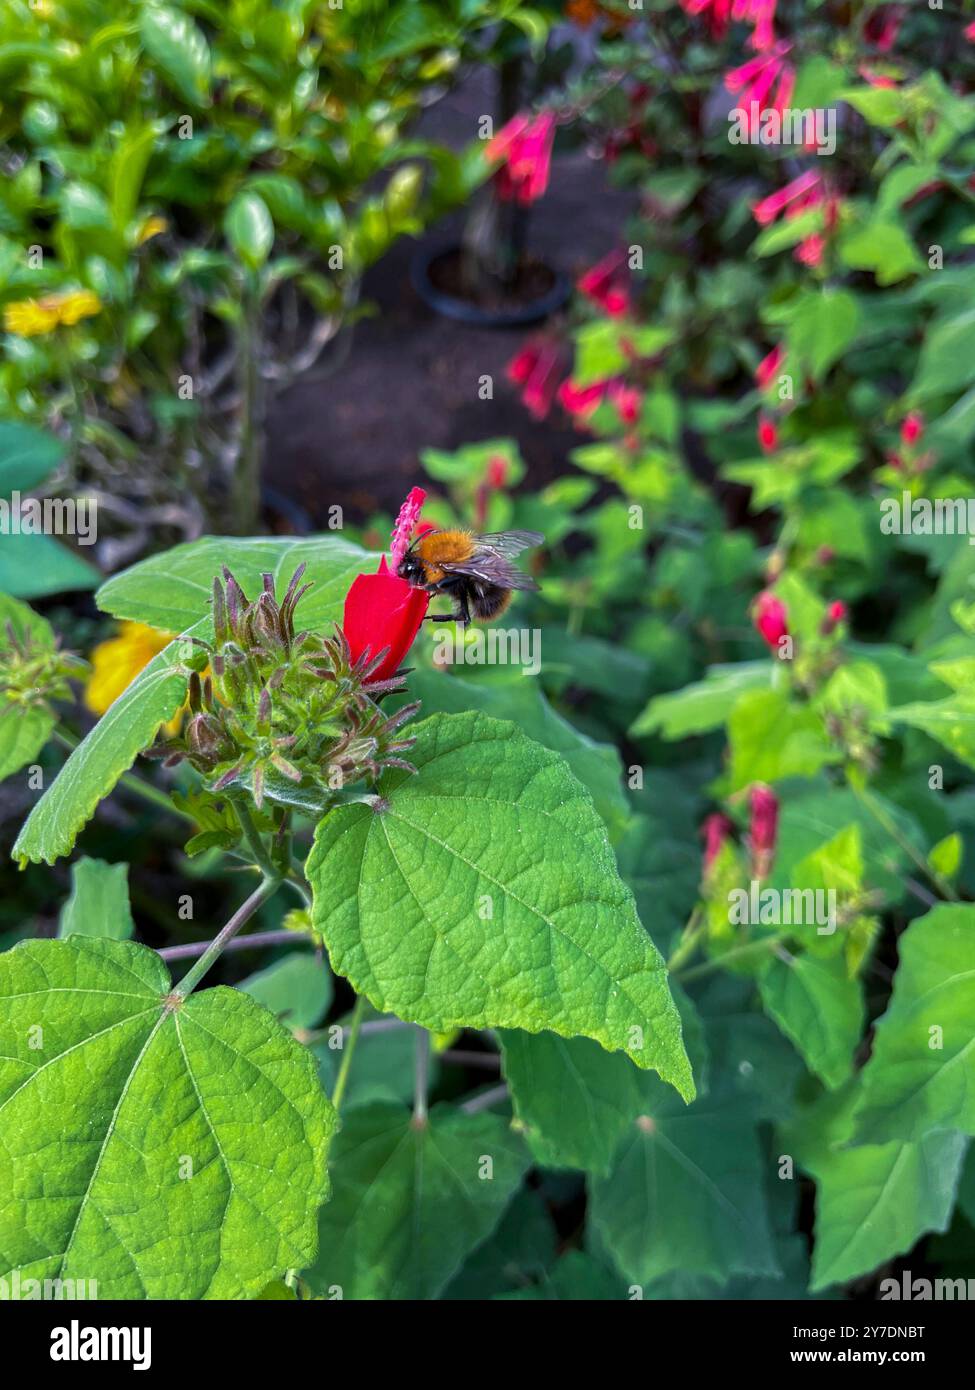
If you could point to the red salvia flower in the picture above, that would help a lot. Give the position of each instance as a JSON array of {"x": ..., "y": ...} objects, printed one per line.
[
  {"x": 383, "y": 612},
  {"x": 525, "y": 147},
  {"x": 764, "y": 829},
  {"x": 768, "y": 434},
  {"x": 835, "y": 614},
  {"x": 716, "y": 830},
  {"x": 607, "y": 284},
  {"x": 536, "y": 369},
  {"x": 768, "y": 369},
  {"x": 912, "y": 428}
]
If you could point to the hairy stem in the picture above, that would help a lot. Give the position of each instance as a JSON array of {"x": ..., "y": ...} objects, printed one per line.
[
  {"x": 421, "y": 1075},
  {"x": 244, "y": 913},
  {"x": 240, "y": 943}
]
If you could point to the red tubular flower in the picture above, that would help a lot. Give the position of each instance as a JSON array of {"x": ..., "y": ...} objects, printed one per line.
[
  {"x": 582, "y": 401},
  {"x": 883, "y": 25},
  {"x": 760, "y": 13},
  {"x": 718, "y": 13},
  {"x": 536, "y": 369},
  {"x": 716, "y": 830},
  {"x": 607, "y": 284},
  {"x": 768, "y": 434},
  {"x": 525, "y": 147},
  {"x": 383, "y": 612},
  {"x": 768, "y": 369},
  {"x": 802, "y": 191},
  {"x": 764, "y": 829},
  {"x": 771, "y": 618},
  {"x": 969, "y": 32},
  {"x": 755, "y": 81},
  {"x": 835, "y": 614},
  {"x": 912, "y": 428}
]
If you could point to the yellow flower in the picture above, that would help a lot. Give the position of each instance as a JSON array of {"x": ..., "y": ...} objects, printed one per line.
[
  {"x": 29, "y": 318},
  {"x": 116, "y": 663},
  {"x": 152, "y": 226}
]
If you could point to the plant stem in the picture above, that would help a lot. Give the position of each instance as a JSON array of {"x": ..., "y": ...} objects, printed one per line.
[
  {"x": 239, "y": 943},
  {"x": 485, "y": 1100},
  {"x": 421, "y": 1073},
  {"x": 689, "y": 938},
  {"x": 130, "y": 780},
  {"x": 348, "y": 1048},
  {"x": 883, "y": 820},
  {"x": 255, "y": 842},
  {"x": 244, "y": 913},
  {"x": 752, "y": 948}
]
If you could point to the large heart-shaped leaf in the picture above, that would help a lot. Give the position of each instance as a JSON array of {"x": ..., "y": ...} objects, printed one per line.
[
  {"x": 483, "y": 892},
  {"x": 921, "y": 1073},
  {"x": 411, "y": 1201},
  {"x": 173, "y": 590},
  {"x": 163, "y": 1148}
]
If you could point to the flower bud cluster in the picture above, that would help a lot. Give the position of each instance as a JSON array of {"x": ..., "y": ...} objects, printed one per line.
[{"x": 288, "y": 716}]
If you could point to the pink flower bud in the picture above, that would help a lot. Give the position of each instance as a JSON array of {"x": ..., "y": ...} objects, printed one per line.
[
  {"x": 835, "y": 614},
  {"x": 716, "y": 830},
  {"x": 763, "y": 829},
  {"x": 771, "y": 618},
  {"x": 912, "y": 428},
  {"x": 768, "y": 434}
]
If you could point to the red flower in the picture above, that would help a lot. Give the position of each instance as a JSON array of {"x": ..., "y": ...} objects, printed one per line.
[
  {"x": 607, "y": 284},
  {"x": 803, "y": 191},
  {"x": 525, "y": 147},
  {"x": 718, "y": 12},
  {"x": 763, "y": 830},
  {"x": 835, "y": 614},
  {"x": 537, "y": 368},
  {"x": 716, "y": 829},
  {"x": 969, "y": 32},
  {"x": 760, "y": 13},
  {"x": 912, "y": 428},
  {"x": 768, "y": 434},
  {"x": 383, "y": 612},
  {"x": 627, "y": 400},
  {"x": 768, "y": 369},
  {"x": 882, "y": 27},
  {"x": 755, "y": 80},
  {"x": 771, "y": 618}
]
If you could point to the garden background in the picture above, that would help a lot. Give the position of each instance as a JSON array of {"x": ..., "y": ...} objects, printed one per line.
[{"x": 269, "y": 269}]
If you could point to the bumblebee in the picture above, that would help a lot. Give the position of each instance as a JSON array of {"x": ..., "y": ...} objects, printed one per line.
[{"x": 476, "y": 572}]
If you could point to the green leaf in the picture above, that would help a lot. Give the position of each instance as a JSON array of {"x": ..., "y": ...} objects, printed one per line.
[
  {"x": 873, "y": 1202},
  {"x": 296, "y": 989},
  {"x": 950, "y": 721},
  {"x": 686, "y": 1193},
  {"x": 947, "y": 361},
  {"x": 822, "y": 327},
  {"x": 883, "y": 247},
  {"x": 249, "y": 229},
  {"x": 24, "y": 730},
  {"x": 597, "y": 765},
  {"x": 110, "y": 749},
  {"x": 27, "y": 456},
  {"x": 819, "y": 1008},
  {"x": 482, "y": 892},
  {"x": 173, "y": 590},
  {"x": 99, "y": 901},
  {"x": 771, "y": 737},
  {"x": 178, "y": 47},
  {"x": 33, "y": 566},
  {"x": 108, "y": 1094},
  {"x": 704, "y": 705},
  {"x": 410, "y": 1202},
  {"x": 921, "y": 1073},
  {"x": 573, "y": 1101}
]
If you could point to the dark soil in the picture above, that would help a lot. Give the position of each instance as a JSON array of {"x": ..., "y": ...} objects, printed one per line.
[
  {"x": 451, "y": 274},
  {"x": 410, "y": 380}
]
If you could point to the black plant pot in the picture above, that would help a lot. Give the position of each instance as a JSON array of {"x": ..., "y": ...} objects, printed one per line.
[{"x": 481, "y": 316}]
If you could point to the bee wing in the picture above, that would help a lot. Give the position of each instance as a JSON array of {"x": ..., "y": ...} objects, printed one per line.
[
  {"x": 492, "y": 567},
  {"x": 510, "y": 543}
]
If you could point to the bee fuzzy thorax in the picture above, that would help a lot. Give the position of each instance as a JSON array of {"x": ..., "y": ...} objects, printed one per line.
[{"x": 439, "y": 546}]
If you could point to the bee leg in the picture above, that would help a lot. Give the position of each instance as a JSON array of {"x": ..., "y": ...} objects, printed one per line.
[{"x": 442, "y": 618}]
